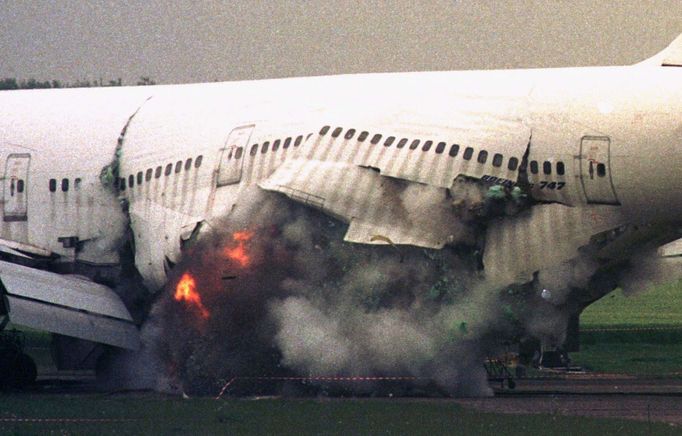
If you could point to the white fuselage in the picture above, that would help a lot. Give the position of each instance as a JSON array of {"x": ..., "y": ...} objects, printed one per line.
[{"x": 610, "y": 135}]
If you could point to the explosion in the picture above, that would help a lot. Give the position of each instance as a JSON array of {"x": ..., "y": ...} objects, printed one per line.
[
  {"x": 322, "y": 306},
  {"x": 238, "y": 253},
  {"x": 186, "y": 290}
]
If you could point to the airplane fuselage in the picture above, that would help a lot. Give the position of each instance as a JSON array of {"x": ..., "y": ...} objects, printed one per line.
[{"x": 182, "y": 155}]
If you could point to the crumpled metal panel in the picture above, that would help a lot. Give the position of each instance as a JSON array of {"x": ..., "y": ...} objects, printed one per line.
[
  {"x": 402, "y": 212},
  {"x": 500, "y": 131},
  {"x": 67, "y": 305},
  {"x": 401, "y": 192}
]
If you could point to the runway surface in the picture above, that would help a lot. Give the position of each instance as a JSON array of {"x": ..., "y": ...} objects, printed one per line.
[
  {"x": 589, "y": 395},
  {"x": 593, "y": 395}
]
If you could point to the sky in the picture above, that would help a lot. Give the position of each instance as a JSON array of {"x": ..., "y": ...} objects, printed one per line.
[{"x": 197, "y": 41}]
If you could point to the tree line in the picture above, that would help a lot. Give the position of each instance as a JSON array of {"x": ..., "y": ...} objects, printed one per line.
[{"x": 11, "y": 83}]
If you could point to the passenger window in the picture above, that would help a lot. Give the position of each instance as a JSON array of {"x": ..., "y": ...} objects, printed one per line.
[
  {"x": 265, "y": 147},
  {"x": 275, "y": 145},
  {"x": 402, "y": 143},
  {"x": 547, "y": 167},
  {"x": 363, "y": 135},
  {"x": 131, "y": 181},
  {"x": 389, "y": 141},
  {"x": 414, "y": 144},
  {"x": 53, "y": 185},
  {"x": 349, "y": 134},
  {"x": 560, "y": 169},
  {"x": 148, "y": 175},
  {"x": 427, "y": 145},
  {"x": 139, "y": 177},
  {"x": 287, "y": 143},
  {"x": 534, "y": 167},
  {"x": 20, "y": 186},
  {"x": 76, "y": 183},
  {"x": 468, "y": 153},
  {"x": 324, "y": 130},
  {"x": 254, "y": 150},
  {"x": 169, "y": 169},
  {"x": 497, "y": 160},
  {"x": 298, "y": 141},
  {"x": 513, "y": 164},
  {"x": 200, "y": 158},
  {"x": 188, "y": 164},
  {"x": 336, "y": 132},
  {"x": 482, "y": 156},
  {"x": 454, "y": 149},
  {"x": 601, "y": 170},
  {"x": 65, "y": 185},
  {"x": 178, "y": 166},
  {"x": 375, "y": 139},
  {"x": 237, "y": 155},
  {"x": 440, "y": 147},
  {"x": 157, "y": 173},
  {"x": 308, "y": 136}
]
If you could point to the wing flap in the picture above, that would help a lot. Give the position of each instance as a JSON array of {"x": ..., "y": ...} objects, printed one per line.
[{"x": 67, "y": 305}]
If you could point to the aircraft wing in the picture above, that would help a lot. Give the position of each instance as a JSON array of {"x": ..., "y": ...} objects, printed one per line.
[{"x": 68, "y": 305}]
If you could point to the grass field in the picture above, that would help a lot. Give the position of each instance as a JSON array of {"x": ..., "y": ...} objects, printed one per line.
[
  {"x": 639, "y": 334},
  {"x": 658, "y": 306},
  {"x": 270, "y": 416}
]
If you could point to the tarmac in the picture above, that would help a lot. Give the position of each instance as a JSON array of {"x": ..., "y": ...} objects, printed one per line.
[{"x": 654, "y": 399}]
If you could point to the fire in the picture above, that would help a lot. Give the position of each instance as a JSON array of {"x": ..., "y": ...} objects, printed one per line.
[
  {"x": 186, "y": 290},
  {"x": 238, "y": 253}
]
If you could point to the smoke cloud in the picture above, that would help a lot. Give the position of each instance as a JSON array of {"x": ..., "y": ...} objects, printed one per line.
[{"x": 287, "y": 297}]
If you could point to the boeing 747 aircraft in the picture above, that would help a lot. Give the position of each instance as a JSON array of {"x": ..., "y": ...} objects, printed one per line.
[{"x": 100, "y": 186}]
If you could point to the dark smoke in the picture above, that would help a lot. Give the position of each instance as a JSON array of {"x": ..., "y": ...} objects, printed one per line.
[{"x": 309, "y": 304}]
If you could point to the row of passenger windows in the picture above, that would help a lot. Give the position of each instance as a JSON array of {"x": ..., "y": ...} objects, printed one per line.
[
  {"x": 286, "y": 143},
  {"x": 156, "y": 173},
  {"x": 547, "y": 167},
  {"x": 64, "y": 184},
  {"x": 468, "y": 154},
  {"x": 440, "y": 147}
]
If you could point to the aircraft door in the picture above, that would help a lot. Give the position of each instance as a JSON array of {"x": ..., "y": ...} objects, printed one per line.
[
  {"x": 595, "y": 170},
  {"x": 15, "y": 187},
  {"x": 232, "y": 158}
]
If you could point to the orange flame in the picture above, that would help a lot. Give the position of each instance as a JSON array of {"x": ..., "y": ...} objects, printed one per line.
[
  {"x": 186, "y": 290},
  {"x": 238, "y": 253}
]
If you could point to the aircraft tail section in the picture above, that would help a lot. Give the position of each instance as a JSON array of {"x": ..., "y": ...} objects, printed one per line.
[
  {"x": 671, "y": 56},
  {"x": 67, "y": 305}
]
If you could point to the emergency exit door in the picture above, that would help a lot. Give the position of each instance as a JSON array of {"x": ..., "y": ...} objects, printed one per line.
[
  {"x": 15, "y": 184},
  {"x": 595, "y": 170},
  {"x": 233, "y": 155}
]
